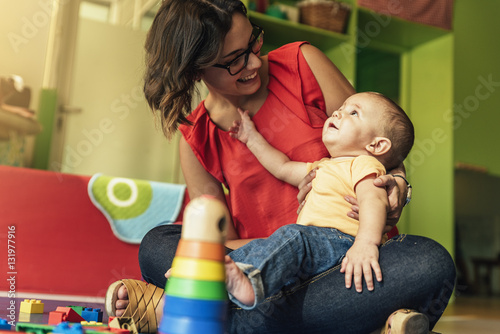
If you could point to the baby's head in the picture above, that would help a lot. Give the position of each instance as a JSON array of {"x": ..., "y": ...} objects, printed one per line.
[{"x": 370, "y": 123}]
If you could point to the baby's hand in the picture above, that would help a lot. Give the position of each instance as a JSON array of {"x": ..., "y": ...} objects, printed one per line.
[
  {"x": 242, "y": 129},
  {"x": 359, "y": 261}
]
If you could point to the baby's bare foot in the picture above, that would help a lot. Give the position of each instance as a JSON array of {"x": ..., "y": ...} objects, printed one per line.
[
  {"x": 122, "y": 301},
  {"x": 238, "y": 284}
]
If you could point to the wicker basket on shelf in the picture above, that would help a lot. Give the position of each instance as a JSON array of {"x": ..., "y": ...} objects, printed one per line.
[{"x": 325, "y": 14}]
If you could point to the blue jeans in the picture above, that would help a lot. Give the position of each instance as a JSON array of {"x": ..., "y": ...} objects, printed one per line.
[
  {"x": 293, "y": 253},
  {"x": 418, "y": 273}
]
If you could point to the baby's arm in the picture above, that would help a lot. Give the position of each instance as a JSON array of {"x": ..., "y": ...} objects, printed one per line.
[
  {"x": 362, "y": 257},
  {"x": 276, "y": 162}
]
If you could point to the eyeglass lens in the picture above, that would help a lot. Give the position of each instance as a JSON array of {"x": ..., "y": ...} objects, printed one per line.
[{"x": 239, "y": 63}]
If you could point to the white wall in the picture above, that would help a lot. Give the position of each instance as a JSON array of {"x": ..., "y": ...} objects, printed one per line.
[{"x": 24, "y": 28}]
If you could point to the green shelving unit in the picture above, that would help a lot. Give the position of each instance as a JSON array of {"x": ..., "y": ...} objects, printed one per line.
[{"x": 413, "y": 64}]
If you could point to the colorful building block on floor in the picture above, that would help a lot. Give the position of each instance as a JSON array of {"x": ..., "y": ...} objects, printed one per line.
[
  {"x": 77, "y": 309},
  {"x": 31, "y": 306},
  {"x": 33, "y": 328},
  {"x": 64, "y": 314},
  {"x": 65, "y": 328},
  {"x": 31, "y": 317},
  {"x": 93, "y": 324},
  {"x": 90, "y": 314},
  {"x": 4, "y": 325},
  {"x": 47, "y": 329},
  {"x": 123, "y": 323}
]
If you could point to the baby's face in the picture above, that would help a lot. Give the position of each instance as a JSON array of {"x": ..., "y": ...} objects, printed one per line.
[{"x": 356, "y": 124}]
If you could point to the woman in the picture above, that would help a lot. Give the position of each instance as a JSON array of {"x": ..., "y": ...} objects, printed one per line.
[{"x": 289, "y": 94}]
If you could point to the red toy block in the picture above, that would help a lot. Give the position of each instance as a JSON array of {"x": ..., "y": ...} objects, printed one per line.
[{"x": 64, "y": 314}]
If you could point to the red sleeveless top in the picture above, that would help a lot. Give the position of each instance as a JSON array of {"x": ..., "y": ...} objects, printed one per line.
[{"x": 291, "y": 119}]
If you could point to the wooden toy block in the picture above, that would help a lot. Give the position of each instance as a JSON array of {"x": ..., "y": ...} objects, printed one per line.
[
  {"x": 31, "y": 306},
  {"x": 123, "y": 323},
  {"x": 198, "y": 269},
  {"x": 201, "y": 250},
  {"x": 90, "y": 314},
  {"x": 205, "y": 220},
  {"x": 64, "y": 314}
]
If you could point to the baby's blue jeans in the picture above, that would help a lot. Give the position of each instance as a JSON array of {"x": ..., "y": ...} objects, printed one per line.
[{"x": 292, "y": 254}]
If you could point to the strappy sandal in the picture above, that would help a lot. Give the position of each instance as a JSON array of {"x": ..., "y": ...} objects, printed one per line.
[
  {"x": 406, "y": 321},
  {"x": 143, "y": 300}
]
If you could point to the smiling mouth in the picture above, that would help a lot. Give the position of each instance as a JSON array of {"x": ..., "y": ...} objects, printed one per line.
[{"x": 247, "y": 78}]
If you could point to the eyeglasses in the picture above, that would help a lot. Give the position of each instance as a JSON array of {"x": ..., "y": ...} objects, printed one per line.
[{"x": 237, "y": 65}]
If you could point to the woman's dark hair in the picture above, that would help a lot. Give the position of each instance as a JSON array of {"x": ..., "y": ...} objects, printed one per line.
[{"x": 186, "y": 37}]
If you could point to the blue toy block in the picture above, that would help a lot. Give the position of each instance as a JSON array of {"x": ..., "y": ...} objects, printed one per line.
[
  {"x": 195, "y": 308},
  {"x": 183, "y": 325},
  {"x": 90, "y": 314},
  {"x": 65, "y": 328},
  {"x": 4, "y": 325}
]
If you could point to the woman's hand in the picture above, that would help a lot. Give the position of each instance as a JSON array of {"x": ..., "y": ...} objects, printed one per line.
[
  {"x": 396, "y": 193},
  {"x": 305, "y": 187}
]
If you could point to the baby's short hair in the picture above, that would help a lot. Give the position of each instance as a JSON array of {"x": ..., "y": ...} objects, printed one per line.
[{"x": 399, "y": 129}]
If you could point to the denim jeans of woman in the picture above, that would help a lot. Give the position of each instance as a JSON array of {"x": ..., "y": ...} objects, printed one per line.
[{"x": 418, "y": 273}]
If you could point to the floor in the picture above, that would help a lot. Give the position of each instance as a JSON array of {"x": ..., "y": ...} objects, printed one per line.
[
  {"x": 471, "y": 315},
  {"x": 466, "y": 315}
]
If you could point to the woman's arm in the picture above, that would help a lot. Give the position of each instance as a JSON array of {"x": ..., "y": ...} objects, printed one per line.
[
  {"x": 200, "y": 182},
  {"x": 334, "y": 85}
]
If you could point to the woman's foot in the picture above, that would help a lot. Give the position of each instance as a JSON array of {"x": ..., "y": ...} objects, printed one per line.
[
  {"x": 238, "y": 284},
  {"x": 121, "y": 301}
]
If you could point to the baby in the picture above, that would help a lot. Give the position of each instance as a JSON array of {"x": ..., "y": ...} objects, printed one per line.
[{"x": 368, "y": 135}]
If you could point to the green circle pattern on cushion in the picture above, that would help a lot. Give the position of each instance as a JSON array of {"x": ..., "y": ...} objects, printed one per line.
[{"x": 119, "y": 196}]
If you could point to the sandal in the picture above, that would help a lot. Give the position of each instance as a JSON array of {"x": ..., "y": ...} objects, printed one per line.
[
  {"x": 143, "y": 301},
  {"x": 405, "y": 321}
]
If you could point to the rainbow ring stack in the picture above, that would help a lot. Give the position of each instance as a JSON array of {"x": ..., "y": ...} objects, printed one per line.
[{"x": 195, "y": 294}]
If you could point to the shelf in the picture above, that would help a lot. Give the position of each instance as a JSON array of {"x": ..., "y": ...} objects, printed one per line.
[
  {"x": 280, "y": 32},
  {"x": 384, "y": 32},
  {"x": 13, "y": 122}
]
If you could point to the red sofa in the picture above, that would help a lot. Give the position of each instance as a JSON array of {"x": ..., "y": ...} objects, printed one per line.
[{"x": 60, "y": 243}]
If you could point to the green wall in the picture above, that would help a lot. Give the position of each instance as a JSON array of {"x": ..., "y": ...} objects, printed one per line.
[
  {"x": 430, "y": 163},
  {"x": 477, "y": 83}
]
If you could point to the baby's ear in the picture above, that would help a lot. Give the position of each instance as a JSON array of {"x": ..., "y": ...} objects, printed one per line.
[{"x": 379, "y": 146}]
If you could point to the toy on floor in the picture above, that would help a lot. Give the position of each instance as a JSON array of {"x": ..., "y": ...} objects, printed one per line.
[
  {"x": 90, "y": 314},
  {"x": 31, "y": 306},
  {"x": 195, "y": 294},
  {"x": 64, "y": 314},
  {"x": 4, "y": 325}
]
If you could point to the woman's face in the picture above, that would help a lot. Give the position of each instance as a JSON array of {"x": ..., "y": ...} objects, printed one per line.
[{"x": 246, "y": 82}]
